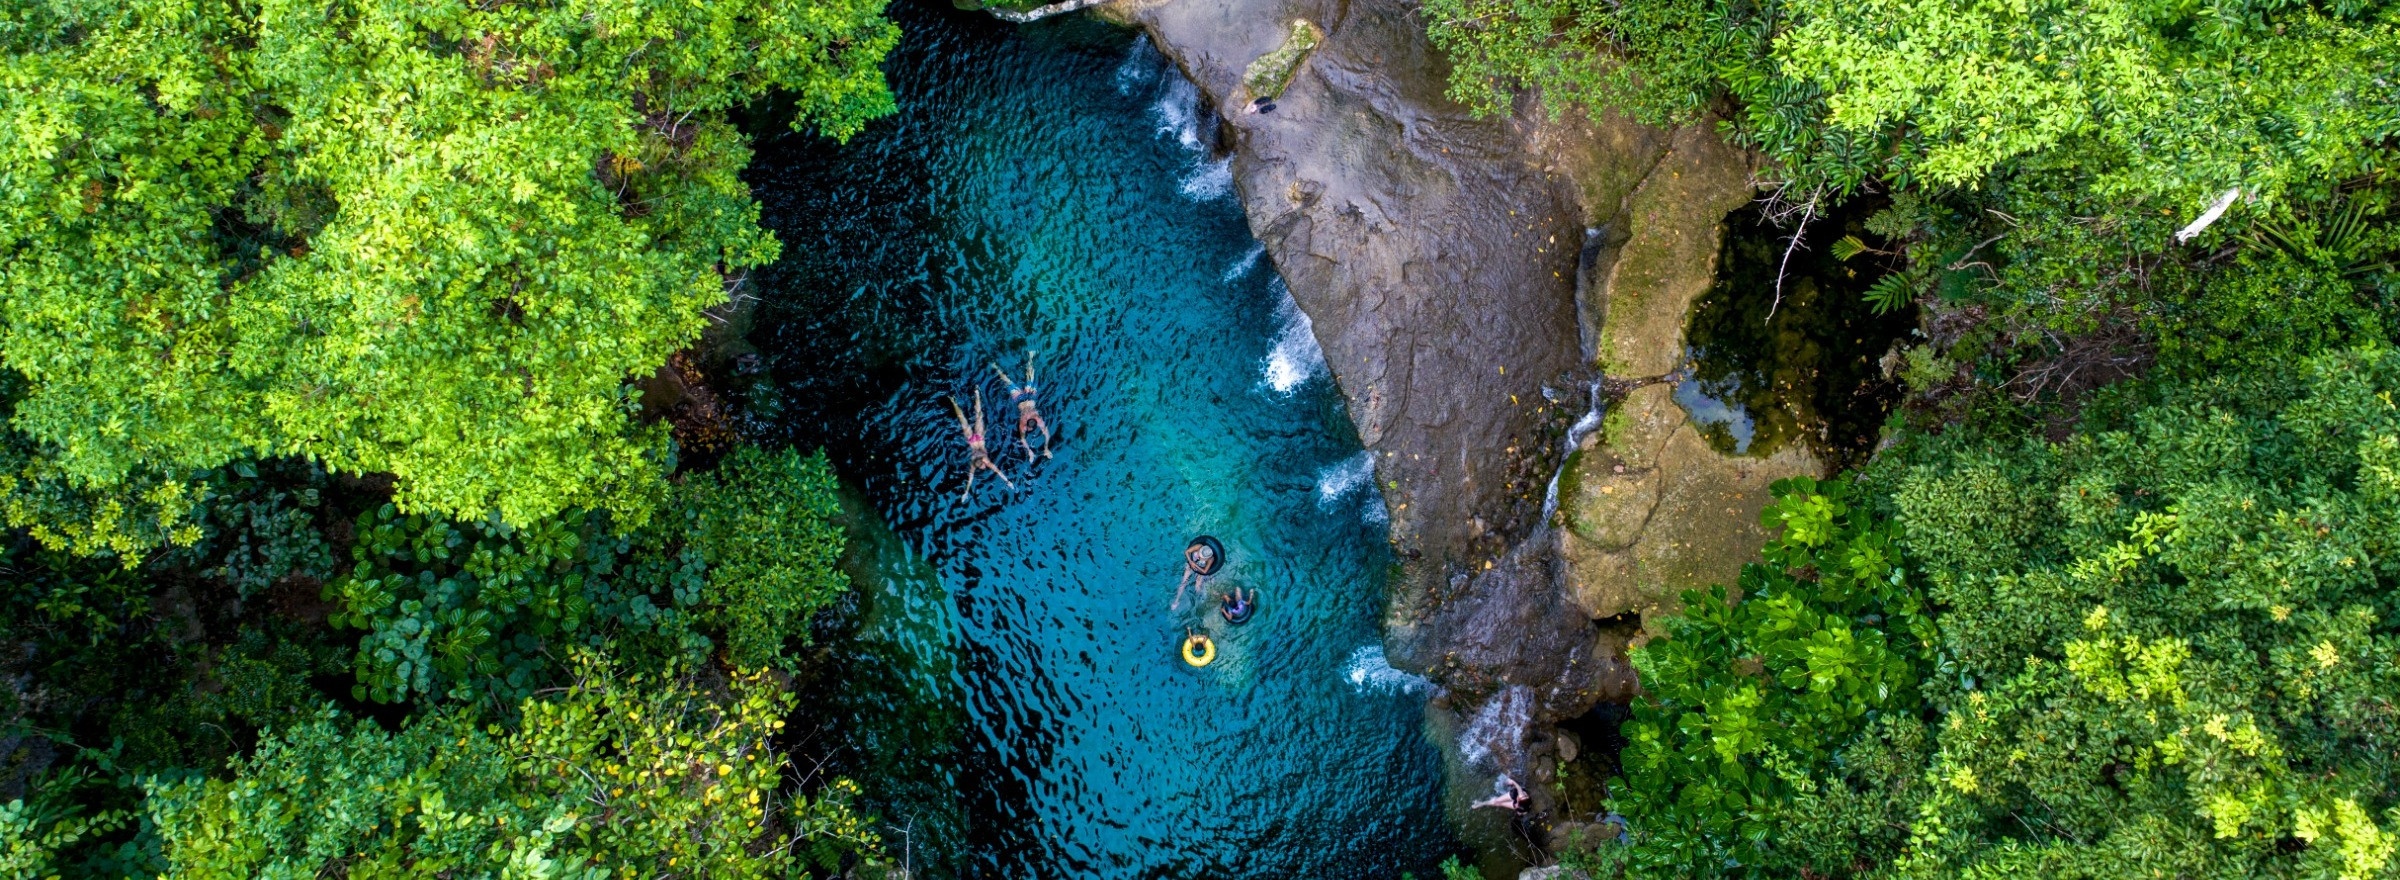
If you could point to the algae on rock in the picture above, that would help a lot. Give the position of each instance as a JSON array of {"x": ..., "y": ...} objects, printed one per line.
[
  {"x": 1649, "y": 509},
  {"x": 1267, "y": 76}
]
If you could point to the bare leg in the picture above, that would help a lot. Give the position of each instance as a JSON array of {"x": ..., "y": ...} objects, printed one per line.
[
  {"x": 1179, "y": 587},
  {"x": 963, "y": 427},
  {"x": 1037, "y": 416},
  {"x": 995, "y": 469}
]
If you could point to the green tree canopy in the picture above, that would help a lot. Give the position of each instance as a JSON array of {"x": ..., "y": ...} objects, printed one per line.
[
  {"x": 612, "y": 778},
  {"x": 2160, "y": 647},
  {"x": 2170, "y": 101},
  {"x": 425, "y": 239}
]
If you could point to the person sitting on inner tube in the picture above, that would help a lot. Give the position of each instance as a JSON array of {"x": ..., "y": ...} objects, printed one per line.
[
  {"x": 1198, "y": 560},
  {"x": 1237, "y": 607}
]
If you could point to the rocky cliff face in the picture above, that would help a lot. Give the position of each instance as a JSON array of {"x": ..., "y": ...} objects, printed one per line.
[
  {"x": 1435, "y": 261},
  {"x": 1469, "y": 280}
]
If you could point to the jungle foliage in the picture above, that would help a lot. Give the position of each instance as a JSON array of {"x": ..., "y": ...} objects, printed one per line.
[
  {"x": 428, "y": 240},
  {"x": 2164, "y": 646},
  {"x": 472, "y": 698},
  {"x": 337, "y": 542},
  {"x": 2117, "y": 599},
  {"x": 609, "y": 779}
]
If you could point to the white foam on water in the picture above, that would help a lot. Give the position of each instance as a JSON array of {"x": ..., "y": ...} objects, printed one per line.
[
  {"x": 1178, "y": 113},
  {"x": 1369, "y": 673},
  {"x": 1242, "y": 267},
  {"x": 1181, "y": 115},
  {"x": 1209, "y": 180},
  {"x": 1499, "y": 724},
  {"x": 1374, "y": 512},
  {"x": 1295, "y": 359},
  {"x": 1140, "y": 66},
  {"x": 1343, "y": 477}
]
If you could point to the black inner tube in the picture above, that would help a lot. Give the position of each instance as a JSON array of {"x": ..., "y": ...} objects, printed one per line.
[
  {"x": 1239, "y": 613},
  {"x": 1216, "y": 554}
]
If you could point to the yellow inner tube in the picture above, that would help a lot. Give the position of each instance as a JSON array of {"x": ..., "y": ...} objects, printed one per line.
[{"x": 1198, "y": 650}]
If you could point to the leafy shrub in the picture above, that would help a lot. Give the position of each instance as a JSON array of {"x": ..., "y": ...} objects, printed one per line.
[
  {"x": 476, "y": 611},
  {"x": 764, "y": 523},
  {"x": 614, "y": 777},
  {"x": 36, "y": 833},
  {"x": 1749, "y": 706}
]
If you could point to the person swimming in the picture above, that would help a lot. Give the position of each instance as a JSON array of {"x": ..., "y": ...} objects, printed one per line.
[
  {"x": 1028, "y": 413},
  {"x": 1237, "y": 607},
  {"x": 1199, "y": 561},
  {"x": 977, "y": 455}
]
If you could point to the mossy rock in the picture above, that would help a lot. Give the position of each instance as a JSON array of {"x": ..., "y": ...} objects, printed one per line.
[{"x": 1271, "y": 73}]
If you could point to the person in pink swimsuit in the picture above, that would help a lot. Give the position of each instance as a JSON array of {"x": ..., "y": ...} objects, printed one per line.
[{"x": 978, "y": 457}]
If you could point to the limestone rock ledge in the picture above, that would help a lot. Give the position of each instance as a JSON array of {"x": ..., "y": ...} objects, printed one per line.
[{"x": 1648, "y": 509}]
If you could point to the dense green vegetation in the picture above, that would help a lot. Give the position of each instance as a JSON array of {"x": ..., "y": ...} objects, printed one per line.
[
  {"x": 2119, "y": 599},
  {"x": 338, "y": 543},
  {"x": 424, "y": 240}
]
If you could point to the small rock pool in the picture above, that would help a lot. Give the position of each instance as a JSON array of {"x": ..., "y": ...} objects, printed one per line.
[{"x": 1011, "y": 696}]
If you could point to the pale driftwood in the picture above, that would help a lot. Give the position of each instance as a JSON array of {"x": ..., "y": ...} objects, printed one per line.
[
  {"x": 1041, "y": 12},
  {"x": 2210, "y": 216}
]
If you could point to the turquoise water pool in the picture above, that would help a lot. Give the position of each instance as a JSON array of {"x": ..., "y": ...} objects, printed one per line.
[{"x": 1012, "y": 696}]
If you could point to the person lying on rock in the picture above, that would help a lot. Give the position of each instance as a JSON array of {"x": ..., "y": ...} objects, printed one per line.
[
  {"x": 1027, "y": 412},
  {"x": 1511, "y": 799},
  {"x": 978, "y": 457}
]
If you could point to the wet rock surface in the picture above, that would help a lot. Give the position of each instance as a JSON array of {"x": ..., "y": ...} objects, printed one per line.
[{"x": 1433, "y": 255}]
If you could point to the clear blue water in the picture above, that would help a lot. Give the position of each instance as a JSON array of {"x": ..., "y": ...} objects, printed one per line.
[{"x": 1012, "y": 696}]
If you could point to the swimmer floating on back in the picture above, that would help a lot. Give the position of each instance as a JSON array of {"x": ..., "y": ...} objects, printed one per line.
[
  {"x": 1027, "y": 412},
  {"x": 977, "y": 455}
]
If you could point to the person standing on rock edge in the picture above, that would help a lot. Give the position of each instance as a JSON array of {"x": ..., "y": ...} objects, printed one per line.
[
  {"x": 1028, "y": 413},
  {"x": 977, "y": 455}
]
